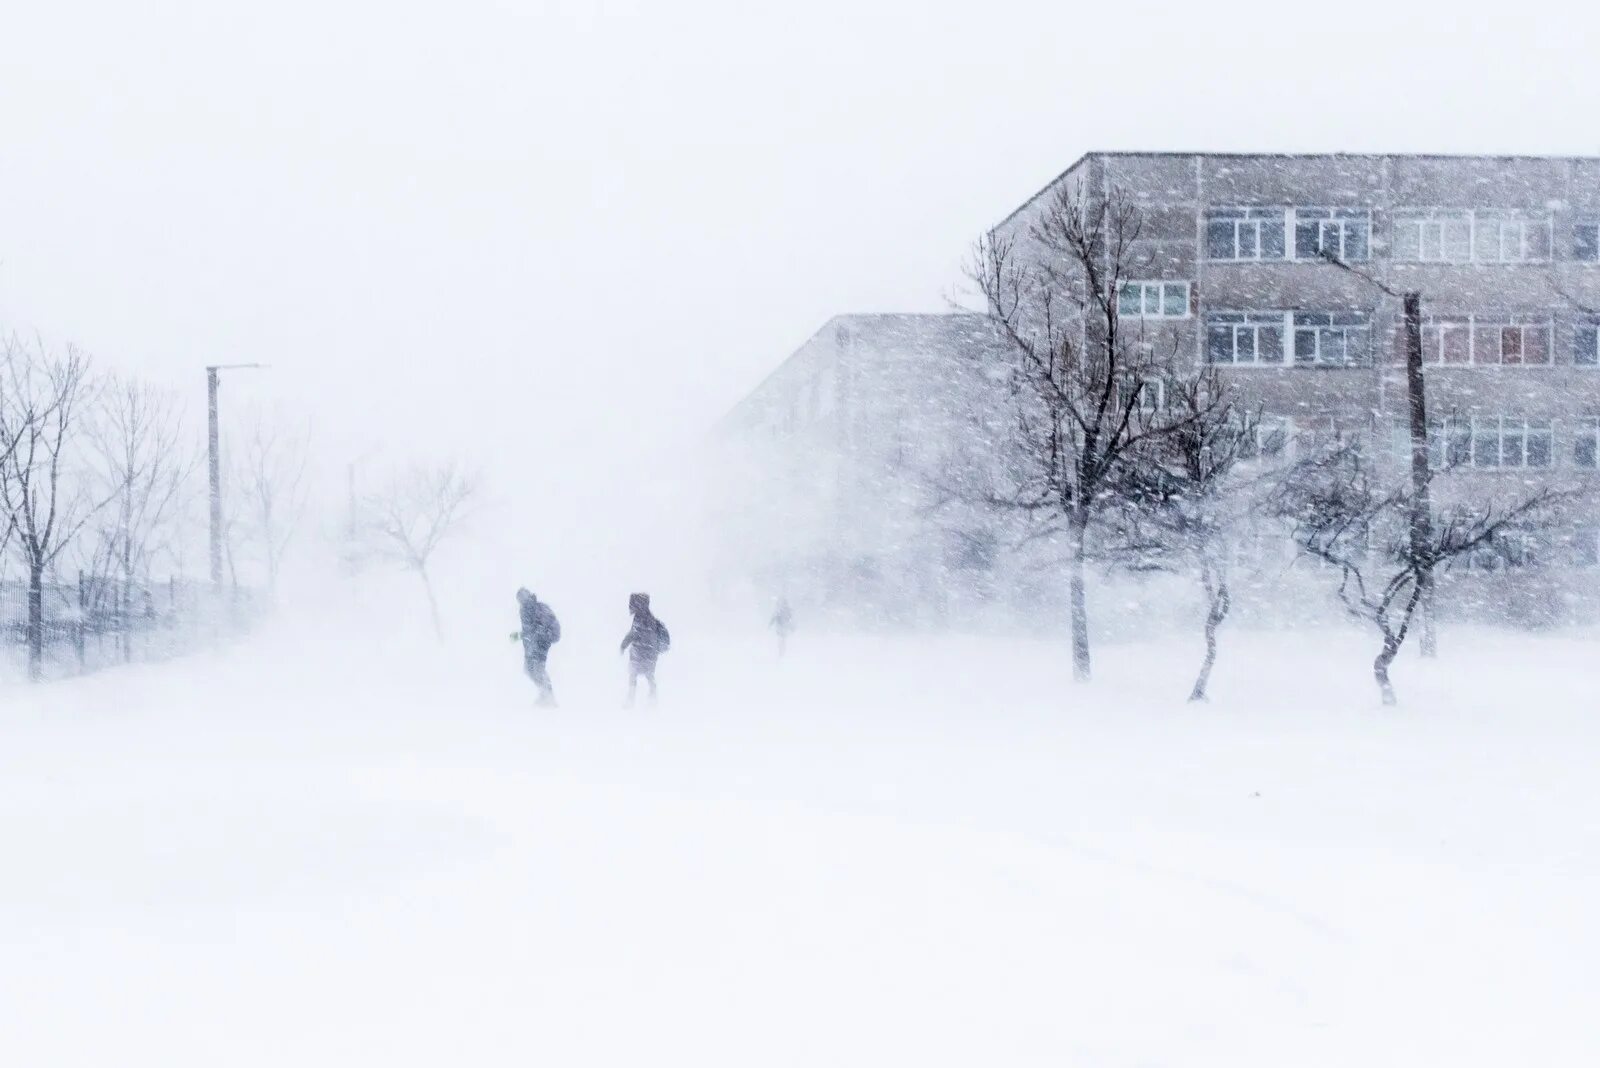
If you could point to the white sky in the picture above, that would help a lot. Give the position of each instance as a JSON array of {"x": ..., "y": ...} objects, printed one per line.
[{"x": 535, "y": 233}]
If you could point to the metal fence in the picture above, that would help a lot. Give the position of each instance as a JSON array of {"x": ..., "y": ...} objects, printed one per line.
[{"x": 96, "y": 622}]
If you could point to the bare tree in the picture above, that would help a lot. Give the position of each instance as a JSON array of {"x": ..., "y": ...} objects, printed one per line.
[
  {"x": 412, "y": 514},
  {"x": 1184, "y": 499},
  {"x": 144, "y": 462},
  {"x": 43, "y": 395},
  {"x": 1343, "y": 514},
  {"x": 1081, "y": 378},
  {"x": 268, "y": 492}
]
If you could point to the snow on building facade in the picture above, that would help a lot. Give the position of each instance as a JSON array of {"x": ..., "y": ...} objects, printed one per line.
[
  {"x": 831, "y": 464},
  {"x": 1505, "y": 252}
]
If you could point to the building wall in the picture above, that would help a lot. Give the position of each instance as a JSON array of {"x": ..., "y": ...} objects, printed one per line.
[
  {"x": 838, "y": 443},
  {"x": 1175, "y": 192},
  {"x": 835, "y": 464}
]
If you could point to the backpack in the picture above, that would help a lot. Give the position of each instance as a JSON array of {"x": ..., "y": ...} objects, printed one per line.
[
  {"x": 550, "y": 624},
  {"x": 663, "y": 638}
]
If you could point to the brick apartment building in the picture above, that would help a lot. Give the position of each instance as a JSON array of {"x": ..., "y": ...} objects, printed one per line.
[{"x": 1505, "y": 252}]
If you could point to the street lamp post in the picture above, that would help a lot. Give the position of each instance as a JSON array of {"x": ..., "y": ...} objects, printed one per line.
[
  {"x": 214, "y": 441},
  {"x": 1420, "y": 532}
]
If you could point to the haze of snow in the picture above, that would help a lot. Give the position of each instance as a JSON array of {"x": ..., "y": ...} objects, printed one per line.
[{"x": 341, "y": 844}]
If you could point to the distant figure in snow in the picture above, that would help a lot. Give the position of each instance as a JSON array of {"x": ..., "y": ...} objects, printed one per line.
[
  {"x": 540, "y": 630},
  {"x": 782, "y": 624},
  {"x": 646, "y": 640}
]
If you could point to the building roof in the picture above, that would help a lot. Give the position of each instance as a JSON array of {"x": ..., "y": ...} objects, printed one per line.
[
  {"x": 1087, "y": 156},
  {"x": 879, "y": 330}
]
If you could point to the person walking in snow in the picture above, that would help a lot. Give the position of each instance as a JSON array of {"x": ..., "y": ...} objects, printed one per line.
[
  {"x": 646, "y": 640},
  {"x": 782, "y": 624},
  {"x": 540, "y": 630}
]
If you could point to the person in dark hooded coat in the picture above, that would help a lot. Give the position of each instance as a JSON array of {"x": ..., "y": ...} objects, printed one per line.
[
  {"x": 540, "y": 630},
  {"x": 782, "y": 623},
  {"x": 646, "y": 640}
]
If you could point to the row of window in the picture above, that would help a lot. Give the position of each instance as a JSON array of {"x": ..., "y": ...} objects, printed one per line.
[
  {"x": 1280, "y": 338},
  {"x": 1524, "y": 549},
  {"x": 1500, "y": 442},
  {"x": 1577, "y": 546},
  {"x": 1344, "y": 339},
  {"x": 1493, "y": 442},
  {"x": 1430, "y": 235}
]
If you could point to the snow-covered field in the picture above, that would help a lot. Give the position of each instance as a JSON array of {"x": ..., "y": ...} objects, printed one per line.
[{"x": 877, "y": 852}]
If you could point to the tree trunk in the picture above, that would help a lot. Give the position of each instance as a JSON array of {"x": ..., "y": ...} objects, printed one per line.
[
  {"x": 126, "y": 611},
  {"x": 433, "y": 603},
  {"x": 1393, "y": 638},
  {"x": 1080, "y": 608},
  {"x": 83, "y": 622},
  {"x": 1380, "y": 669},
  {"x": 1426, "y": 639},
  {"x": 1218, "y": 601},
  {"x": 35, "y": 622}
]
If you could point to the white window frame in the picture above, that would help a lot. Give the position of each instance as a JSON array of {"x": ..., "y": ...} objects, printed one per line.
[
  {"x": 1266, "y": 427},
  {"x": 1528, "y": 547},
  {"x": 1354, "y": 324},
  {"x": 1292, "y": 326},
  {"x": 1592, "y": 224},
  {"x": 1247, "y": 219},
  {"x": 1159, "y": 288},
  {"x": 1152, "y": 395},
  {"x": 1453, "y": 442},
  {"x": 1262, "y": 544},
  {"x": 1591, "y": 353},
  {"x": 1585, "y": 540},
  {"x": 1431, "y": 223},
  {"x": 1333, "y": 219},
  {"x": 1587, "y": 430},
  {"x": 1436, "y": 327},
  {"x": 1152, "y": 386},
  {"x": 1250, "y": 323},
  {"x": 1508, "y": 428}
]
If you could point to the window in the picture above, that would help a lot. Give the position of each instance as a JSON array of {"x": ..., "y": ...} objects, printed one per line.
[
  {"x": 1433, "y": 237},
  {"x": 1245, "y": 337},
  {"x": 1510, "y": 548},
  {"x": 1332, "y": 339},
  {"x": 1307, "y": 339},
  {"x": 1510, "y": 237},
  {"x": 1463, "y": 236},
  {"x": 1272, "y": 438},
  {"x": 1449, "y": 442},
  {"x": 1586, "y": 444},
  {"x": 1154, "y": 300},
  {"x": 1586, "y": 242},
  {"x": 1584, "y": 545},
  {"x": 971, "y": 551},
  {"x": 1152, "y": 396},
  {"x": 1261, "y": 545},
  {"x": 1486, "y": 339},
  {"x": 1339, "y": 232},
  {"x": 1489, "y": 442},
  {"x": 1586, "y": 345},
  {"x": 1245, "y": 234},
  {"x": 1503, "y": 442}
]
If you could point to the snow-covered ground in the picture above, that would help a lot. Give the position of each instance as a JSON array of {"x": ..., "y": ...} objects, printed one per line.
[{"x": 877, "y": 852}]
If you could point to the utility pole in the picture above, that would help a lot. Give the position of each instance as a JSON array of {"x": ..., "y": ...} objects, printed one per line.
[
  {"x": 214, "y": 443},
  {"x": 1420, "y": 527},
  {"x": 1421, "y": 533}
]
